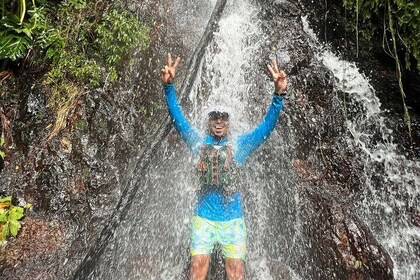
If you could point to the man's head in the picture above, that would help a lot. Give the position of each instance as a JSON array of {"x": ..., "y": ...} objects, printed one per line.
[{"x": 218, "y": 123}]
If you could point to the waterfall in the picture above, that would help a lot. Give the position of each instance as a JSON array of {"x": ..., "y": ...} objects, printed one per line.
[
  {"x": 390, "y": 181},
  {"x": 152, "y": 241}
]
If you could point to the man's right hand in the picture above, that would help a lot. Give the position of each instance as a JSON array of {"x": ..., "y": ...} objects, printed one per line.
[
  {"x": 168, "y": 72},
  {"x": 279, "y": 77}
]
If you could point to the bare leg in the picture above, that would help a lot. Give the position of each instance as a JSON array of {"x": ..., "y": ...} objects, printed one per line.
[
  {"x": 199, "y": 267},
  {"x": 235, "y": 269}
]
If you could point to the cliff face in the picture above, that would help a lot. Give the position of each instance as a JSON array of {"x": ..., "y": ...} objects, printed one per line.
[
  {"x": 371, "y": 50},
  {"x": 73, "y": 177}
]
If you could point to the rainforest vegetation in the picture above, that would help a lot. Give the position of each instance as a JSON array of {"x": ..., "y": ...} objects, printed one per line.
[
  {"x": 67, "y": 47},
  {"x": 397, "y": 23},
  {"x": 64, "y": 48}
]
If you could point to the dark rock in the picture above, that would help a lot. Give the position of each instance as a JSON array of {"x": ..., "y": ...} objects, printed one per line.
[
  {"x": 340, "y": 241},
  {"x": 334, "y": 26}
]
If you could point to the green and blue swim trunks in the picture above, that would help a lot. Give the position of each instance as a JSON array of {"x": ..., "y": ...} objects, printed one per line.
[{"x": 231, "y": 235}]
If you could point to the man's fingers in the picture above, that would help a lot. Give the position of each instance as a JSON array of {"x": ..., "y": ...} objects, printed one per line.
[
  {"x": 275, "y": 65},
  {"x": 271, "y": 70},
  {"x": 178, "y": 59},
  {"x": 282, "y": 74},
  {"x": 165, "y": 70},
  {"x": 171, "y": 73},
  {"x": 169, "y": 60}
]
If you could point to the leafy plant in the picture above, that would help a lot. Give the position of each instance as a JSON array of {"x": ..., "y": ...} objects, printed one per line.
[
  {"x": 9, "y": 218},
  {"x": 400, "y": 21},
  {"x": 86, "y": 46},
  {"x": 83, "y": 44},
  {"x": 16, "y": 33},
  {"x": 408, "y": 18},
  {"x": 405, "y": 15},
  {"x": 118, "y": 35}
]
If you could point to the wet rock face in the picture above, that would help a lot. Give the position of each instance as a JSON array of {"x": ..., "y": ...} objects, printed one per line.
[
  {"x": 339, "y": 245},
  {"x": 333, "y": 25},
  {"x": 340, "y": 241},
  {"x": 38, "y": 245},
  {"x": 74, "y": 179}
]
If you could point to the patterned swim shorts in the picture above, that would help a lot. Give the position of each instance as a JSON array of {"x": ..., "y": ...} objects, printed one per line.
[{"x": 231, "y": 235}]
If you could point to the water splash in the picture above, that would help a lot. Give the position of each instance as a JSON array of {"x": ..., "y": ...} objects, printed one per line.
[
  {"x": 152, "y": 242},
  {"x": 391, "y": 192}
]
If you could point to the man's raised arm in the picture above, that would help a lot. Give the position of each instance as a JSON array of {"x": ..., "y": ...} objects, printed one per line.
[
  {"x": 249, "y": 142},
  {"x": 188, "y": 134}
]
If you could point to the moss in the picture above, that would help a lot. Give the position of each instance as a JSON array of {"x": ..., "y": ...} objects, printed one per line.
[{"x": 82, "y": 44}]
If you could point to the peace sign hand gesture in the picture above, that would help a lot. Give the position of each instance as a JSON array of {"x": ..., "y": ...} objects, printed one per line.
[
  {"x": 168, "y": 72},
  {"x": 279, "y": 77}
]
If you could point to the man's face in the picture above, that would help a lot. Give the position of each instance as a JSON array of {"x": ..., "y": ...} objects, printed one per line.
[{"x": 219, "y": 124}]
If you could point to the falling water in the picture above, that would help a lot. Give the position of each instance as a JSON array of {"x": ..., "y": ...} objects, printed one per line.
[
  {"x": 152, "y": 241},
  {"x": 391, "y": 193}
]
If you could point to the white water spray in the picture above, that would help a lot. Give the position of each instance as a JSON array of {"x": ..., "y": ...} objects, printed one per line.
[{"x": 387, "y": 208}]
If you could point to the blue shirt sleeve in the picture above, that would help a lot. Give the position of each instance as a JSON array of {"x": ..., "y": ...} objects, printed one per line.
[
  {"x": 249, "y": 142},
  {"x": 188, "y": 134}
]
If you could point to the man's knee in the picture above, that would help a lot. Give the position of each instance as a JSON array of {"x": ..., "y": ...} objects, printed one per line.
[
  {"x": 199, "y": 261},
  {"x": 235, "y": 269},
  {"x": 199, "y": 266}
]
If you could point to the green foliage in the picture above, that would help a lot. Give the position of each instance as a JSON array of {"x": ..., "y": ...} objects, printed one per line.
[
  {"x": 9, "y": 218},
  {"x": 85, "y": 41},
  {"x": 405, "y": 14},
  {"x": 84, "y": 44},
  {"x": 118, "y": 34},
  {"x": 16, "y": 34},
  {"x": 408, "y": 16},
  {"x": 400, "y": 21},
  {"x": 90, "y": 46}
]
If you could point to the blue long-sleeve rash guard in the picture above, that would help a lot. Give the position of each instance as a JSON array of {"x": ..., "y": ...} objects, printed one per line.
[{"x": 212, "y": 205}]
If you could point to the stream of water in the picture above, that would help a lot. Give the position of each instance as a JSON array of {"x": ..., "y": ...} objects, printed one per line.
[
  {"x": 152, "y": 241},
  {"x": 390, "y": 181}
]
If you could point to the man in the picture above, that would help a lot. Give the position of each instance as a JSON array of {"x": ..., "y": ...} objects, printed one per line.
[{"x": 219, "y": 217}]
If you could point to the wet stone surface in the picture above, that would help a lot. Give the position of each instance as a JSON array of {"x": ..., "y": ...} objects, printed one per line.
[
  {"x": 75, "y": 179},
  {"x": 340, "y": 241}
]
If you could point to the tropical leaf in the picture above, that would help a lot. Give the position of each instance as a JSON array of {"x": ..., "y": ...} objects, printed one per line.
[
  {"x": 13, "y": 46},
  {"x": 3, "y": 215},
  {"x": 6, "y": 199},
  {"x": 16, "y": 213},
  {"x": 14, "y": 227},
  {"x": 10, "y": 21}
]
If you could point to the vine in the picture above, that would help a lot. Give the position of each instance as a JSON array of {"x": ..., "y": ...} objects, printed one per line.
[
  {"x": 407, "y": 118},
  {"x": 401, "y": 18}
]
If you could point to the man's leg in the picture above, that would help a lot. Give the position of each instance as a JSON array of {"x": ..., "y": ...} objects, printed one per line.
[
  {"x": 235, "y": 269},
  {"x": 203, "y": 238},
  {"x": 232, "y": 235},
  {"x": 199, "y": 267}
]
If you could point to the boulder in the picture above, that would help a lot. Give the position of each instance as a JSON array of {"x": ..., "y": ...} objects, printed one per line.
[{"x": 340, "y": 241}]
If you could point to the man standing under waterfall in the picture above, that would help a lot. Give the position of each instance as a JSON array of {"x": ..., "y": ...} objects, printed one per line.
[{"x": 219, "y": 217}]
